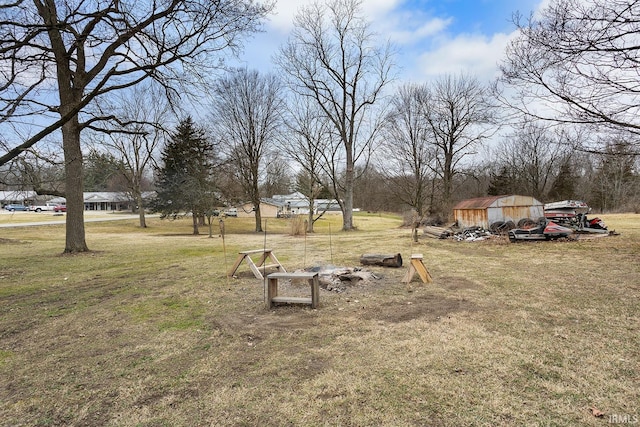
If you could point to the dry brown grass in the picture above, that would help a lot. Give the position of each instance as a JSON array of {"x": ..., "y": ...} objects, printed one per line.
[{"x": 147, "y": 330}]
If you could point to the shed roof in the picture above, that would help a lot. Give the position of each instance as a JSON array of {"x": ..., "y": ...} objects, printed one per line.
[
  {"x": 497, "y": 201},
  {"x": 477, "y": 203}
]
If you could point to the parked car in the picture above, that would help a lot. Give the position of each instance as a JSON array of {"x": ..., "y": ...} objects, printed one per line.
[
  {"x": 60, "y": 208},
  {"x": 42, "y": 207},
  {"x": 12, "y": 208},
  {"x": 231, "y": 212}
]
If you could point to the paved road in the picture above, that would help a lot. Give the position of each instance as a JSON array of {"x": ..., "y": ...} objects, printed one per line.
[{"x": 88, "y": 218}]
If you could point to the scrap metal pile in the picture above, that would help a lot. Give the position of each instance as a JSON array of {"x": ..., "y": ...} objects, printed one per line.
[{"x": 561, "y": 220}]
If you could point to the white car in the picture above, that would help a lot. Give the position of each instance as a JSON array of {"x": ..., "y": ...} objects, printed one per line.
[{"x": 43, "y": 207}]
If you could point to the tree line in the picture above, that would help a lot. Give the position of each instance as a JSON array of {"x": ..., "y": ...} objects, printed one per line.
[{"x": 560, "y": 121}]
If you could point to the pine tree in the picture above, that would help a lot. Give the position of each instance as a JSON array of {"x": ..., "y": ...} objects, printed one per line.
[
  {"x": 185, "y": 181},
  {"x": 501, "y": 183},
  {"x": 564, "y": 185}
]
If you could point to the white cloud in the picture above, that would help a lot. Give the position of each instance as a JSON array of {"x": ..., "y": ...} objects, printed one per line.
[
  {"x": 427, "y": 46},
  {"x": 282, "y": 19},
  {"x": 475, "y": 54},
  {"x": 378, "y": 9},
  {"x": 402, "y": 35},
  {"x": 285, "y": 11}
]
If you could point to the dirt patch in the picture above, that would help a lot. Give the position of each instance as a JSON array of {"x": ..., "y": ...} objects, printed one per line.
[
  {"x": 4, "y": 241},
  {"x": 454, "y": 283},
  {"x": 253, "y": 326},
  {"x": 428, "y": 307}
]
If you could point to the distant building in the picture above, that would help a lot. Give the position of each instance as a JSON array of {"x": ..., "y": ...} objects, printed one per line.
[
  {"x": 93, "y": 200},
  {"x": 297, "y": 204},
  {"x": 17, "y": 197},
  {"x": 267, "y": 210},
  {"x": 280, "y": 206}
]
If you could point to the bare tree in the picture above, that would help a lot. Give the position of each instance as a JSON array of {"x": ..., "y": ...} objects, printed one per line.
[
  {"x": 459, "y": 116},
  {"x": 59, "y": 56},
  {"x": 277, "y": 177},
  {"x": 407, "y": 155},
  {"x": 333, "y": 58},
  {"x": 146, "y": 112},
  {"x": 306, "y": 143},
  {"x": 40, "y": 170},
  {"x": 578, "y": 63},
  {"x": 616, "y": 183},
  {"x": 247, "y": 113},
  {"x": 532, "y": 157}
]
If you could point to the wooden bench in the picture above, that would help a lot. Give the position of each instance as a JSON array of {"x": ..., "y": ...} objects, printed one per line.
[
  {"x": 256, "y": 266},
  {"x": 272, "y": 289}
]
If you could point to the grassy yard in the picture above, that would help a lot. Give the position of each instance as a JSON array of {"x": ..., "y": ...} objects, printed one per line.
[{"x": 147, "y": 330}]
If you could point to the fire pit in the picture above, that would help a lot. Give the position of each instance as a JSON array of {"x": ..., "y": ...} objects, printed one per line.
[{"x": 338, "y": 279}]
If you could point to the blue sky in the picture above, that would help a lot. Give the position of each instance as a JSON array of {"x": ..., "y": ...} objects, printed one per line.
[{"x": 432, "y": 37}]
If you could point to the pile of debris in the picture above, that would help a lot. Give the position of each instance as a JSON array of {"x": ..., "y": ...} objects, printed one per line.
[
  {"x": 338, "y": 279},
  {"x": 469, "y": 234},
  {"x": 561, "y": 220},
  {"x": 573, "y": 214}
]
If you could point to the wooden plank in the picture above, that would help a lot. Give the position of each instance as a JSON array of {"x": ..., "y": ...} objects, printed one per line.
[
  {"x": 262, "y": 259},
  {"x": 422, "y": 270},
  {"x": 254, "y": 251},
  {"x": 233, "y": 269},
  {"x": 273, "y": 258},
  {"x": 292, "y": 300},
  {"x": 254, "y": 268},
  {"x": 417, "y": 266},
  {"x": 315, "y": 291},
  {"x": 272, "y": 291},
  {"x": 298, "y": 275},
  {"x": 409, "y": 275}
]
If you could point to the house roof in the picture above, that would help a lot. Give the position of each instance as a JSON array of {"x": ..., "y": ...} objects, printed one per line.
[
  {"x": 17, "y": 195},
  {"x": 88, "y": 196}
]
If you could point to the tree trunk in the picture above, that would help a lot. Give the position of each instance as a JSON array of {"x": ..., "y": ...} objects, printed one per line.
[
  {"x": 310, "y": 221},
  {"x": 347, "y": 211},
  {"x": 194, "y": 217},
  {"x": 74, "y": 189},
  {"x": 256, "y": 210},
  {"x": 382, "y": 260},
  {"x": 140, "y": 203}
]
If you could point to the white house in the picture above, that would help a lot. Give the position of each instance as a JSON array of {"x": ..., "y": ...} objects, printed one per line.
[{"x": 297, "y": 204}]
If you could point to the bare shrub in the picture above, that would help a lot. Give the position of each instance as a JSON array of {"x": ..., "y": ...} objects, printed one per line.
[{"x": 297, "y": 225}]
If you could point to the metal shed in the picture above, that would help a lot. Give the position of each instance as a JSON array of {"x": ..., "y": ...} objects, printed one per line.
[{"x": 484, "y": 211}]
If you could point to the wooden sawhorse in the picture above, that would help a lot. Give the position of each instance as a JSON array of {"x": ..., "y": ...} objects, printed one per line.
[
  {"x": 417, "y": 266},
  {"x": 272, "y": 289},
  {"x": 255, "y": 266}
]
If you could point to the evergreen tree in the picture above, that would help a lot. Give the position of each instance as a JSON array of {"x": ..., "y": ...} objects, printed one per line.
[
  {"x": 185, "y": 183},
  {"x": 501, "y": 183},
  {"x": 103, "y": 172},
  {"x": 564, "y": 185}
]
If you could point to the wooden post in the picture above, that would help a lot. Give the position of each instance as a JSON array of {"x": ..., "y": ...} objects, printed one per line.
[
  {"x": 272, "y": 290},
  {"x": 315, "y": 291}
]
